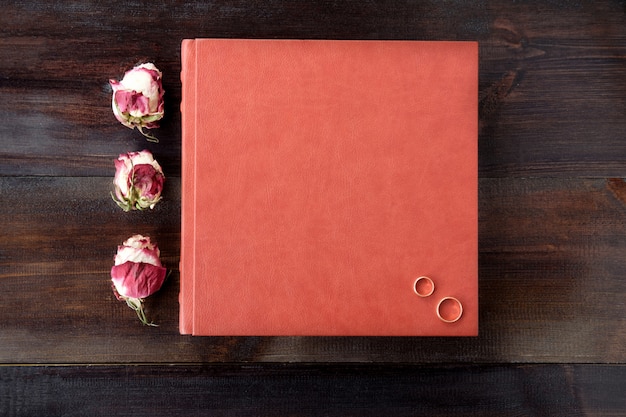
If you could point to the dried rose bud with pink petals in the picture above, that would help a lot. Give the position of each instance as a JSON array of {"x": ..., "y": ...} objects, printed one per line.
[
  {"x": 137, "y": 273},
  {"x": 138, "y": 99},
  {"x": 138, "y": 181}
]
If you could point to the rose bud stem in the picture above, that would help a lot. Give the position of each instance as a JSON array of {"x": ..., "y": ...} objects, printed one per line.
[
  {"x": 148, "y": 136},
  {"x": 137, "y": 305}
]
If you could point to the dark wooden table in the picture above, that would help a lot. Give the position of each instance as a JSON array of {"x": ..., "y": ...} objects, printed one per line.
[{"x": 552, "y": 221}]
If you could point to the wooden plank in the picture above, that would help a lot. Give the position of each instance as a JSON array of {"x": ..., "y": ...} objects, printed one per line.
[
  {"x": 552, "y": 220},
  {"x": 551, "y": 281},
  {"x": 305, "y": 390},
  {"x": 551, "y": 89},
  {"x": 61, "y": 130}
]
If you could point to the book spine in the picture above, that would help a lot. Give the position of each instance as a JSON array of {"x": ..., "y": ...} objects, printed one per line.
[{"x": 187, "y": 77}]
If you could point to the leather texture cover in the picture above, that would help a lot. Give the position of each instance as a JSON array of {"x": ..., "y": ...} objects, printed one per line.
[{"x": 320, "y": 179}]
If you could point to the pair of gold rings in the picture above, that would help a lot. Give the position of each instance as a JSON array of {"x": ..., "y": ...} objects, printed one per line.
[{"x": 449, "y": 309}]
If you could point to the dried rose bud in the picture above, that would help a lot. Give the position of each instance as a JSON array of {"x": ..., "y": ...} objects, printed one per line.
[
  {"x": 138, "y": 99},
  {"x": 138, "y": 181},
  {"x": 137, "y": 273}
]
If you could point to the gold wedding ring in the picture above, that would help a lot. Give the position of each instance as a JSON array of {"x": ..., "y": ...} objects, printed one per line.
[
  {"x": 423, "y": 286},
  {"x": 449, "y": 309}
]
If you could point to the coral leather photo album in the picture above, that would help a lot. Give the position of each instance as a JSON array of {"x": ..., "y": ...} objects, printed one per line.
[{"x": 329, "y": 188}]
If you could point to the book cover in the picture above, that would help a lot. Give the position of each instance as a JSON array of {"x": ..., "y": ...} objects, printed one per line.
[{"x": 321, "y": 179}]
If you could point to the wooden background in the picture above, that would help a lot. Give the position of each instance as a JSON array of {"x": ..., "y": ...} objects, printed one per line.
[{"x": 552, "y": 220}]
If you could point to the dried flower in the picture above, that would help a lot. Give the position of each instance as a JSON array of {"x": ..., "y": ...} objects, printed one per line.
[
  {"x": 138, "y": 181},
  {"x": 138, "y": 99},
  {"x": 137, "y": 273}
]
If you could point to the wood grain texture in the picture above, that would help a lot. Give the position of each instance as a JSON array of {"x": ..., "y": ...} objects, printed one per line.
[
  {"x": 279, "y": 390},
  {"x": 552, "y": 220},
  {"x": 551, "y": 88},
  {"x": 551, "y": 281}
]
